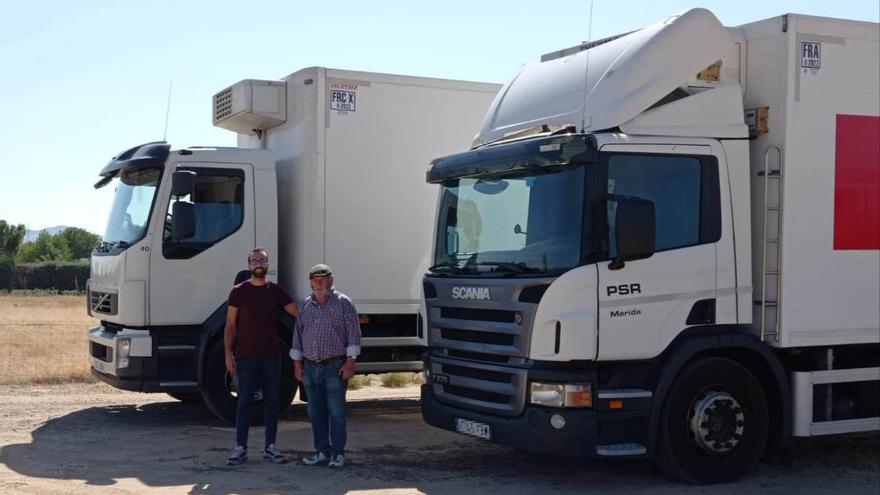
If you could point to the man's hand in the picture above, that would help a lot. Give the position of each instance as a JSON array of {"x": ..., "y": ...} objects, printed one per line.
[
  {"x": 298, "y": 371},
  {"x": 230, "y": 362},
  {"x": 347, "y": 369}
]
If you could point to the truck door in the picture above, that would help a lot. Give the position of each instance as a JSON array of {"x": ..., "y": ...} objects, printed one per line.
[
  {"x": 191, "y": 278},
  {"x": 645, "y": 304}
]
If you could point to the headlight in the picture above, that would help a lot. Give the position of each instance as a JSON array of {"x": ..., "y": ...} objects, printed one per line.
[
  {"x": 123, "y": 348},
  {"x": 548, "y": 394},
  {"x": 561, "y": 394},
  {"x": 122, "y": 363}
]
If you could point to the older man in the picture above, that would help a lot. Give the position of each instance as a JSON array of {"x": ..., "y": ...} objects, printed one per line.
[{"x": 326, "y": 343}]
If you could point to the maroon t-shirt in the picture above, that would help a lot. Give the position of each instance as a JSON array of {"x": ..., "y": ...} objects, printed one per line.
[{"x": 256, "y": 335}]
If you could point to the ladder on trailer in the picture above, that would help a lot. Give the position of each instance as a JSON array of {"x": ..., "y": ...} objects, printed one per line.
[{"x": 771, "y": 247}]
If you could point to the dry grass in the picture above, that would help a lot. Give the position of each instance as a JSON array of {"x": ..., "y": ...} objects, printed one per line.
[
  {"x": 397, "y": 380},
  {"x": 358, "y": 382},
  {"x": 44, "y": 339}
]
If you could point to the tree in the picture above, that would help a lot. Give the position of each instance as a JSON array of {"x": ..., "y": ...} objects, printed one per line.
[
  {"x": 10, "y": 238},
  {"x": 47, "y": 247},
  {"x": 80, "y": 241}
]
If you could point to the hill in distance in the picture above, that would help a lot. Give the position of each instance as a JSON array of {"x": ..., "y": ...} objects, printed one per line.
[{"x": 31, "y": 235}]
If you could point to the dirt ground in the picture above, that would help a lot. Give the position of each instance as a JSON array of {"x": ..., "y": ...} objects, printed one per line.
[{"x": 90, "y": 438}]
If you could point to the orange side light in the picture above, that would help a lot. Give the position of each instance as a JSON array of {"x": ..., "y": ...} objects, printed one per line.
[
  {"x": 582, "y": 398},
  {"x": 615, "y": 404},
  {"x": 363, "y": 319}
]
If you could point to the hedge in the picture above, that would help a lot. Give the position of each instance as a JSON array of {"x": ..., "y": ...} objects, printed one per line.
[
  {"x": 7, "y": 273},
  {"x": 57, "y": 275}
]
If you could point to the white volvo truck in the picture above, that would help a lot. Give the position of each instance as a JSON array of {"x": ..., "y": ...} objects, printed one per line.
[
  {"x": 329, "y": 169},
  {"x": 666, "y": 244}
]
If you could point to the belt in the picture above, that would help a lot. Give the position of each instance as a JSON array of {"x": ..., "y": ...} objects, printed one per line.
[{"x": 329, "y": 360}]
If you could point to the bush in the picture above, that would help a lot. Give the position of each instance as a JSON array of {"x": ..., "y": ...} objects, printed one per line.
[
  {"x": 7, "y": 273},
  {"x": 397, "y": 380},
  {"x": 358, "y": 382},
  {"x": 57, "y": 275}
]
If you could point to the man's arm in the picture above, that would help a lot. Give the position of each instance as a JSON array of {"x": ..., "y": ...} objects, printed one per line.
[
  {"x": 353, "y": 341},
  {"x": 229, "y": 337},
  {"x": 290, "y": 308},
  {"x": 296, "y": 350}
]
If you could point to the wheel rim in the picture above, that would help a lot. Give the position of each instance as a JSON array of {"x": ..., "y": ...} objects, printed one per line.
[
  {"x": 716, "y": 422},
  {"x": 231, "y": 383}
]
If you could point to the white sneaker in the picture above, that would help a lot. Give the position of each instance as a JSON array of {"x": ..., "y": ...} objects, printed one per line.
[
  {"x": 336, "y": 461},
  {"x": 316, "y": 458},
  {"x": 273, "y": 454},
  {"x": 237, "y": 456}
]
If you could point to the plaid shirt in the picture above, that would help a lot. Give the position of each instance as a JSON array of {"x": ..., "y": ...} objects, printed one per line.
[{"x": 325, "y": 331}]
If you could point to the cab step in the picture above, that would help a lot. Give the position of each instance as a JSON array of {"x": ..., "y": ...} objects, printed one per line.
[{"x": 621, "y": 449}]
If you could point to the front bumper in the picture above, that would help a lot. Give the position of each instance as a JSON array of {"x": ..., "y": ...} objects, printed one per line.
[
  {"x": 531, "y": 431},
  {"x": 142, "y": 374}
]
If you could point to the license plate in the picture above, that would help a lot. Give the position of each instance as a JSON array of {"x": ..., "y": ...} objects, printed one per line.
[
  {"x": 100, "y": 365},
  {"x": 473, "y": 428}
]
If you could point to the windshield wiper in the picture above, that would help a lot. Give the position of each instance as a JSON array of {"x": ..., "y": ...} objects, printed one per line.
[{"x": 445, "y": 266}]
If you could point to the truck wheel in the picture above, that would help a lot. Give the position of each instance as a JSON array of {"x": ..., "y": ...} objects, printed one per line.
[
  {"x": 714, "y": 423},
  {"x": 219, "y": 389},
  {"x": 187, "y": 397}
]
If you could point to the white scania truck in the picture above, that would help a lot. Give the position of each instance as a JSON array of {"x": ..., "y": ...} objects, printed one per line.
[
  {"x": 329, "y": 169},
  {"x": 666, "y": 244}
]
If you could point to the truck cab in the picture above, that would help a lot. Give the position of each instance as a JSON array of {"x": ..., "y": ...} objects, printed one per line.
[{"x": 179, "y": 229}]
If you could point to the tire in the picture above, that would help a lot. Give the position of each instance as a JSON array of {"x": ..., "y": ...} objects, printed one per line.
[
  {"x": 218, "y": 389},
  {"x": 187, "y": 397},
  {"x": 714, "y": 423}
]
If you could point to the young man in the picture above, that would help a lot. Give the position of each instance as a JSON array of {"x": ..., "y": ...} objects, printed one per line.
[
  {"x": 326, "y": 342},
  {"x": 253, "y": 352}
]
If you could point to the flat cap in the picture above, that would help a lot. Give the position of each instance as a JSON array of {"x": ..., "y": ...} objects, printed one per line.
[{"x": 320, "y": 270}]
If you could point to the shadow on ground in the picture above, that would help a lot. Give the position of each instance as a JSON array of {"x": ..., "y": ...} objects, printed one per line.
[{"x": 180, "y": 445}]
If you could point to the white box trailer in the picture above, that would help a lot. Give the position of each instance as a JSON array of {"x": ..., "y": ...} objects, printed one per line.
[
  {"x": 329, "y": 169},
  {"x": 679, "y": 248},
  {"x": 815, "y": 243},
  {"x": 351, "y": 160}
]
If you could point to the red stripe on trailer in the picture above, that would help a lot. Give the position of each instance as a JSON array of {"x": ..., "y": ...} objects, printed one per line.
[{"x": 857, "y": 182}]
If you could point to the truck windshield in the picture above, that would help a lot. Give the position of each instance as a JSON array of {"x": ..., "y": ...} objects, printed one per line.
[
  {"x": 130, "y": 213},
  {"x": 513, "y": 225}
]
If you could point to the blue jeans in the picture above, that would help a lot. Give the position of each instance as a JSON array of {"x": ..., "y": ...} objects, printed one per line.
[
  {"x": 326, "y": 391},
  {"x": 253, "y": 375}
]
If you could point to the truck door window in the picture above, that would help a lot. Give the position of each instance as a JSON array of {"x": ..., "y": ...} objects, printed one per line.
[
  {"x": 684, "y": 191},
  {"x": 218, "y": 200}
]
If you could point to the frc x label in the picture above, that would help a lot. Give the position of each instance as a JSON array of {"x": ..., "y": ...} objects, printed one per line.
[
  {"x": 343, "y": 101},
  {"x": 471, "y": 293}
]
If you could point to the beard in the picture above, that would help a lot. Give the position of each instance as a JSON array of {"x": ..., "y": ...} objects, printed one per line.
[{"x": 258, "y": 272}]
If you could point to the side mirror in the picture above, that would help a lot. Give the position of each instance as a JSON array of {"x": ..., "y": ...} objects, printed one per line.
[
  {"x": 635, "y": 230},
  {"x": 183, "y": 220},
  {"x": 183, "y": 183}
]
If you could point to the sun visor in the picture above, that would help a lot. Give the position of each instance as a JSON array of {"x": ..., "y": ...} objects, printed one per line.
[
  {"x": 610, "y": 82},
  {"x": 143, "y": 156}
]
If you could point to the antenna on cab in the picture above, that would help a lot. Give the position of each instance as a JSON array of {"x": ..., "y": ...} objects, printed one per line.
[{"x": 167, "y": 110}]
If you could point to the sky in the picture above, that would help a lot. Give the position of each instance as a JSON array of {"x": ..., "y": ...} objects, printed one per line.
[{"x": 82, "y": 81}]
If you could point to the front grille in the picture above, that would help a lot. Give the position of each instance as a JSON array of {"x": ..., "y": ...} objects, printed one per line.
[
  {"x": 480, "y": 395},
  {"x": 498, "y": 315},
  {"x": 477, "y": 356},
  {"x": 103, "y": 302},
  {"x": 101, "y": 352},
  {"x": 479, "y": 374},
  {"x": 477, "y": 386},
  {"x": 477, "y": 337}
]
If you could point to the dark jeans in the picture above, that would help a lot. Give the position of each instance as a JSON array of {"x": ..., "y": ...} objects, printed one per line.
[
  {"x": 326, "y": 391},
  {"x": 253, "y": 375}
]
